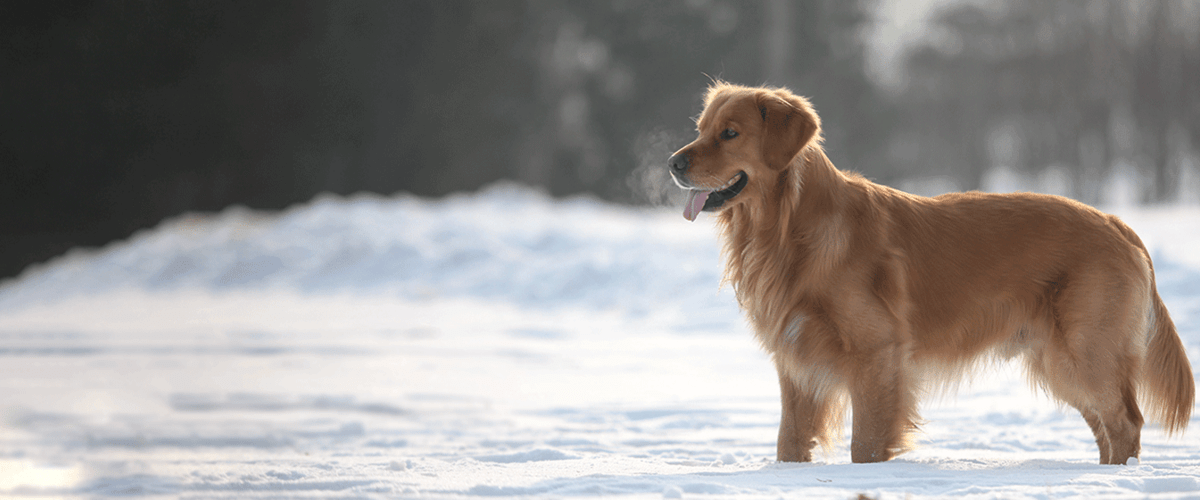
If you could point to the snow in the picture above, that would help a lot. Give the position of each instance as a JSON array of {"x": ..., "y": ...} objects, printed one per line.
[{"x": 494, "y": 344}]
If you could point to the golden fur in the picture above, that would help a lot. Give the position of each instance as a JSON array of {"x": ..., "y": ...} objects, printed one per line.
[{"x": 867, "y": 295}]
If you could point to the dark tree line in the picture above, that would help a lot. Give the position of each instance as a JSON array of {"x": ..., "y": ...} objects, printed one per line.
[
  {"x": 119, "y": 113},
  {"x": 1083, "y": 86}
]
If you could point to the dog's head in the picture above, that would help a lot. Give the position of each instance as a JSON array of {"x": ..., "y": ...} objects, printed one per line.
[{"x": 747, "y": 136}]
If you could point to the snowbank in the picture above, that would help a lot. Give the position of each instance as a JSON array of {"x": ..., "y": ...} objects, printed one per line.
[{"x": 505, "y": 243}]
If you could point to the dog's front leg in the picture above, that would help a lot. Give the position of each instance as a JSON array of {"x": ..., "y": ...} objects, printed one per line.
[
  {"x": 805, "y": 421},
  {"x": 884, "y": 406}
]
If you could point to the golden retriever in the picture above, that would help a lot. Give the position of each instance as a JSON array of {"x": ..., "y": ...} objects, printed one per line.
[{"x": 866, "y": 293}]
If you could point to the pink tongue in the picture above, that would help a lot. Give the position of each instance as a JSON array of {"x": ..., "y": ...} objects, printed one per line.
[{"x": 695, "y": 203}]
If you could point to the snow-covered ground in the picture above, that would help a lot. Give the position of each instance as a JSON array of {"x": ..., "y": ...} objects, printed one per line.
[{"x": 499, "y": 344}]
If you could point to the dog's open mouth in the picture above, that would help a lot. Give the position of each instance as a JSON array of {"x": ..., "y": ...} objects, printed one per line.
[{"x": 703, "y": 199}]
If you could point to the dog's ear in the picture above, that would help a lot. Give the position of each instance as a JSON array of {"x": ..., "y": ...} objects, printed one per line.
[{"x": 790, "y": 124}]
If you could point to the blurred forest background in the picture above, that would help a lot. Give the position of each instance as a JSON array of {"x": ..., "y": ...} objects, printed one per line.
[{"x": 117, "y": 114}]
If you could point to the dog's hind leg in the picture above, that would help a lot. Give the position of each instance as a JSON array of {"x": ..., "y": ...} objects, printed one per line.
[
  {"x": 1093, "y": 355},
  {"x": 1123, "y": 426},
  {"x": 1103, "y": 392},
  {"x": 1093, "y": 421}
]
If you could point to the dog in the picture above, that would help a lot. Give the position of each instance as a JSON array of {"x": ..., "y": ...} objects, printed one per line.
[{"x": 868, "y": 295}]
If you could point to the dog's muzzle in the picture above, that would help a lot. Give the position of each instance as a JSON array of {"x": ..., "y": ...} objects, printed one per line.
[{"x": 700, "y": 199}]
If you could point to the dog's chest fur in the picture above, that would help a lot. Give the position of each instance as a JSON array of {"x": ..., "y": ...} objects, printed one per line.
[{"x": 785, "y": 292}]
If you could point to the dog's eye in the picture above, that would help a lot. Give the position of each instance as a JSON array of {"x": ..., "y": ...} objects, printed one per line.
[{"x": 728, "y": 134}]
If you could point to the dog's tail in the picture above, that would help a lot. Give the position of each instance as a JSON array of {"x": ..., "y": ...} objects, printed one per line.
[
  {"x": 1166, "y": 373},
  {"x": 1169, "y": 389}
]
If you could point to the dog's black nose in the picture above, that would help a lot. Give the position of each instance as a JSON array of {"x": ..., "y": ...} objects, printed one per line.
[{"x": 678, "y": 163}]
